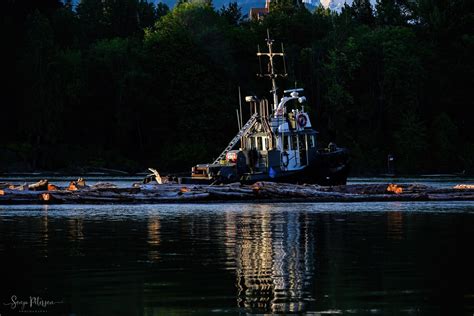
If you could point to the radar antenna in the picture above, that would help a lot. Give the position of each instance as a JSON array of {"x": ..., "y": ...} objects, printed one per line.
[{"x": 272, "y": 74}]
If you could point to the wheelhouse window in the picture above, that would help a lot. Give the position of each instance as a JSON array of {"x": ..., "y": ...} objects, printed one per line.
[
  {"x": 251, "y": 142},
  {"x": 286, "y": 142},
  {"x": 260, "y": 143},
  {"x": 313, "y": 141},
  {"x": 301, "y": 143},
  {"x": 294, "y": 142}
]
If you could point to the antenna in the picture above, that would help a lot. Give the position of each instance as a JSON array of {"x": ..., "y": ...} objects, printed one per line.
[
  {"x": 272, "y": 75},
  {"x": 284, "y": 59},
  {"x": 240, "y": 107},
  {"x": 259, "y": 61}
]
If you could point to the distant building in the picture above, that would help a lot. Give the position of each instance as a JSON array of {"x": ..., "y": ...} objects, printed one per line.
[{"x": 259, "y": 13}]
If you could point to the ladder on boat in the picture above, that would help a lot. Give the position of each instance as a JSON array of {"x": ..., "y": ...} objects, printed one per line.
[{"x": 242, "y": 133}]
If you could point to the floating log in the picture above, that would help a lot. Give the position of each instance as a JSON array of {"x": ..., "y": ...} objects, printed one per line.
[
  {"x": 81, "y": 183},
  {"x": 4, "y": 185},
  {"x": 77, "y": 192},
  {"x": 393, "y": 188},
  {"x": 103, "y": 186},
  {"x": 157, "y": 175},
  {"x": 52, "y": 187},
  {"x": 72, "y": 186},
  {"x": 464, "y": 187},
  {"x": 41, "y": 185}
]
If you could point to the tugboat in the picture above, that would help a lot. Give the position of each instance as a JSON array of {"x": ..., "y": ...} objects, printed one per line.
[{"x": 278, "y": 145}]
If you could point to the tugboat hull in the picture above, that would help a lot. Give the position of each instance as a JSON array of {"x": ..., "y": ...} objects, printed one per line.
[{"x": 325, "y": 168}]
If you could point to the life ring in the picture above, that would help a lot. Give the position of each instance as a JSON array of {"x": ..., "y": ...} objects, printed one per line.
[
  {"x": 302, "y": 120},
  {"x": 284, "y": 159}
]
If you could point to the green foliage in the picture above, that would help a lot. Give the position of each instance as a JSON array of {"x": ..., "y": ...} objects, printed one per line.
[
  {"x": 362, "y": 11},
  {"x": 117, "y": 18},
  {"x": 232, "y": 13},
  {"x": 445, "y": 142},
  {"x": 410, "y": 142},
  {"x": 389, "y": 12},
  {"x": 36, "y": 63},
  {"x": 126, "y": 83},
  {"x": 190, "y": 73}
]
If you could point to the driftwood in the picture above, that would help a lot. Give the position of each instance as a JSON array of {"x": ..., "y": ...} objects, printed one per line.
[
  {"x": 4, "y": 185},
  {"x": 41, "y": 185},
  {"x": 104, "y": 186},
  {"x": 464, "y": 187},
  {"x": 156, "y": 175},
  {"x": 79, "y": 184},
  {"x": 43, "y": 192}
]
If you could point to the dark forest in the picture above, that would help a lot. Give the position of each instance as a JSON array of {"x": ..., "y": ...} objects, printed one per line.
[{"x": 126, "y": 84}]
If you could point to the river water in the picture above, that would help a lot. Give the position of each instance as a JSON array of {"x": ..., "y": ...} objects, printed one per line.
[{"x": 239, "y": 259}]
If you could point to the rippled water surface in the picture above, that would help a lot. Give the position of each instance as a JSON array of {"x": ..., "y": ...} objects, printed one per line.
[{"x": 239, "y": 259}]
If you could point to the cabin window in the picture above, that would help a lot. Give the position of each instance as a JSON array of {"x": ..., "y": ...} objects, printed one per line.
[
  {"x": 259, "y": 143},
  {"x": 294, "y": 142},
  {"x": 286, "y": 141},
  {"x": 313, "y": 141},
  {"x": 251, "y": 143},
  {"x": 265, "y": 143},
  {"x": 301, "y": 142}
]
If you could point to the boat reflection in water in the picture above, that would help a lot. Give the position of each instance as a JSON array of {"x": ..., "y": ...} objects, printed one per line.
[
  {"x": 274, "y": 260},
  {"x": 154, "y": 238}
]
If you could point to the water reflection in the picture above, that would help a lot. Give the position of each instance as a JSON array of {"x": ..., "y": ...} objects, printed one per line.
[
  {"x": 395, "y": 225},
  {"x": 154, "y": 240},
  {"x": 240, "y": 258},
  {"x": 75, "y": 229},
  {"x": 44, "y": 232},
  {"x": 274, "y": 258}
]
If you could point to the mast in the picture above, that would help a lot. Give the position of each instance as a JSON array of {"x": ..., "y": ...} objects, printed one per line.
[{"x": 271, "y": 71}]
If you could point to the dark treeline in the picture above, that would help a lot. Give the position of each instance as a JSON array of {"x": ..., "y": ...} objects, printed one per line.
[{"x": 128, "y": 84}]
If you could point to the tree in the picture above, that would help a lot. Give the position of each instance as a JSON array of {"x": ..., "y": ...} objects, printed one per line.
[
  {"x": 389, "y": 12},
  {"x": 41, "y": 111},
  {"x": 191, "y": 67},
  {"x": 92, "y": 19},
  {"x": 161, "y": 9},
  {"x": 362, "y": 12},
  {"x": 232, "y": 13},
  {"x": 123, "y": 17},
  {"x": 411, "y": 142},
  {"x": 148, "y": 14}
]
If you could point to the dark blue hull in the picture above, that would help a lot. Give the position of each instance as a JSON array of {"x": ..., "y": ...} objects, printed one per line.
[{"x": 324, "y": 168}]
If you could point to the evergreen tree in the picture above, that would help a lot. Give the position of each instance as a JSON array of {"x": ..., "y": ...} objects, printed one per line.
[
  {"x": 389, "y": 12},
  {"x": 232, "y": 13},
  {"x": 362, "y": 12}
]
